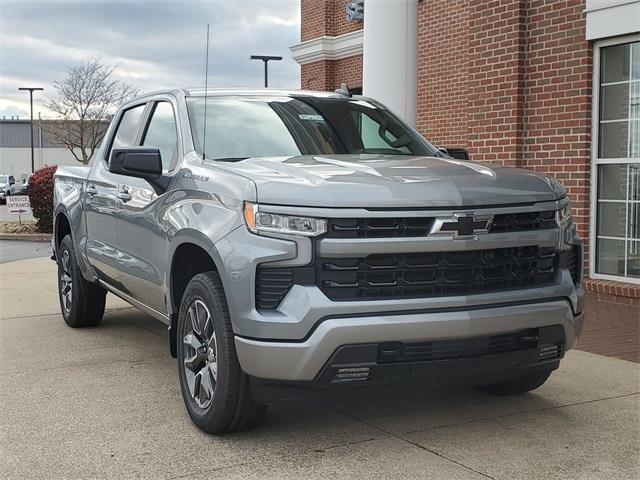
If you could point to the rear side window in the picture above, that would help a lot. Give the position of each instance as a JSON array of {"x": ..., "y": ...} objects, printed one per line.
[
  {"x": 128, "y": 128},
  {"x": 162, "y": 134}
]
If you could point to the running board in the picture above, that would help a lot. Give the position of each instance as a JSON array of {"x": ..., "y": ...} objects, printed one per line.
[{"x": 139, "y": 305}]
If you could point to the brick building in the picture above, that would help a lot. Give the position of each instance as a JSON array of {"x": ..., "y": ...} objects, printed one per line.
[{"x": 548, "y": 85}]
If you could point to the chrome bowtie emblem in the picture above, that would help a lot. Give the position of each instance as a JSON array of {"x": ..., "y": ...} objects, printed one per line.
[{"x": 462, "y": 225}]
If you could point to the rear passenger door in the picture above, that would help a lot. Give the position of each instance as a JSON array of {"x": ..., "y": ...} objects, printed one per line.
[
  {"x": 101, "y": 198},
  {"x": 141, "y": 236}
]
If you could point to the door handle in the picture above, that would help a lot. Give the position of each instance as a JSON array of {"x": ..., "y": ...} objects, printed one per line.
[
  {"x": 124, "y": 195},
  {"x": 91, "y": 190}
]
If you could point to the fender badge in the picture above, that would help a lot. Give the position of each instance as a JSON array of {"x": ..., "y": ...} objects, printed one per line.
[{"x": 194, "y": 176}]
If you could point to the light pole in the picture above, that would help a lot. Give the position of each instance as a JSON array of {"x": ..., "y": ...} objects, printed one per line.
[
  {"x": 265, "y": 59},
  {"x": 31, "y": 90}
]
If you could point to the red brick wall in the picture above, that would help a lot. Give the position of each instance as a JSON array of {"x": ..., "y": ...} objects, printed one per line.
[
  {"x": 496, "y": 80},
  {"x": 329, "y": 74},
  {"x": 328, "y": 17},
  {"x": 557, "y": 138},
  {"x": 443, "y": 63},
  {"x": 325, "y": 17},
  {"x": 317, "y": 18}
]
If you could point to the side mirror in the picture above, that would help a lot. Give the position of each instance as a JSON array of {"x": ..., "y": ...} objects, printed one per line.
[{"x": 140, "y": 162}]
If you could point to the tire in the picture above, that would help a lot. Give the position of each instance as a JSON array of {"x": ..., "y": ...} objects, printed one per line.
[
  {"x": 215, "y": 390},
  {"x": 81, "y": 302},
  {"x": 517, "y": 387}
]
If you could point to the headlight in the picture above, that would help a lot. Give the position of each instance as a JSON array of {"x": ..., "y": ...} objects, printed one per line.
[
  {"x": 563, "y": 216},
  {"x": 263, "y": 222}
]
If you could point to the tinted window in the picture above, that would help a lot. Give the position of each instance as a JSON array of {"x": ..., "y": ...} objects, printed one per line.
[
  {"x": 128, "y": 127},
  {"x": 162, "y": 134},
  {"x": 241, "y": 127}
]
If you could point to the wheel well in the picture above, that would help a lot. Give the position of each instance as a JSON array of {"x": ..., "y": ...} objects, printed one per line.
[
  {"x": 63, "y": 228},
  {"x": 188, "y": 261}
]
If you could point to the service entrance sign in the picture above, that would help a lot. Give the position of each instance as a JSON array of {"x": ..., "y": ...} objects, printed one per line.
[{"x": 18, "y": 205}]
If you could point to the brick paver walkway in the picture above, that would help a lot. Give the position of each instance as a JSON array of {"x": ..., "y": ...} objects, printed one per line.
[{"x": 611, "y": 329}]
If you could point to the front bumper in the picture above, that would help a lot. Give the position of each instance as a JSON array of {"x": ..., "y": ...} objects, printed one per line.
[{"x": 303, "y": 361}]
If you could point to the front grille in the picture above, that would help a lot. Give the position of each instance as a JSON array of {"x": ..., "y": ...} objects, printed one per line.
[
  {"x": 379, "y": 227},
  {"x": 435, "y": 274},
  {"x": 548, "y": 340},
  {"x": 393, "y": 227},
  {"x": 523, "y": 221}
]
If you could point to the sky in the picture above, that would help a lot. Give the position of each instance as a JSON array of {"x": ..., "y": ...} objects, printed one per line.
[{"x": 152, "y": 44}]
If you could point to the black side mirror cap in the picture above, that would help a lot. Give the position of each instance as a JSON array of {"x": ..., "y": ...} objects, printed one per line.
[
  {"x": 140, "y": 162},
  {"x": 457, "y": 153}
]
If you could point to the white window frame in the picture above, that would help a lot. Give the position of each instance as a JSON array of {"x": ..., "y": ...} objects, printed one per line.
[{"x": 595, "y": 161}]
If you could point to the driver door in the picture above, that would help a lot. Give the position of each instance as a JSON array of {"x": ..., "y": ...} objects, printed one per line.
[
  {"x": 141, "y": 234},
  {"x": 101, "y": 200}
]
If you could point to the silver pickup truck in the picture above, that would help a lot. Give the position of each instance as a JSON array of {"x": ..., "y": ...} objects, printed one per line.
[{"x": 308, "y": 241}]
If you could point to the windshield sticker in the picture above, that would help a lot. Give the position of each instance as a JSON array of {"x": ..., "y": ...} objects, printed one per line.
[{"x": 315, "y": 118}]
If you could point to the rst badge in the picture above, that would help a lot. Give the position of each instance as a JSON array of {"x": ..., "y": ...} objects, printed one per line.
[{"x": 462, "y": 225}]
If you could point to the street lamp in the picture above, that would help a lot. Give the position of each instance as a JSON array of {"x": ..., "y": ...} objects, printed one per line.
[
  {"x": 265, "y": 59},
  {"x": 31, "y": 90}
]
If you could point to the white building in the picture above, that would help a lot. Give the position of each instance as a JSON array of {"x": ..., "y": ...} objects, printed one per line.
[{"x": 15, "y": 149}]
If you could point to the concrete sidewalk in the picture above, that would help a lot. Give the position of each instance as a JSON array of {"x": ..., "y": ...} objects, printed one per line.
[{"x": 105, "y": 403}]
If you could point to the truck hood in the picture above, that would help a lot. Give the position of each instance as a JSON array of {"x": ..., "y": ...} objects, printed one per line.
[{"x": 390, "y": 181}]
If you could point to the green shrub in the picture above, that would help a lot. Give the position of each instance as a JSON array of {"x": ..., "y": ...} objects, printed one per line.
[{"x": 40, "y": 191}]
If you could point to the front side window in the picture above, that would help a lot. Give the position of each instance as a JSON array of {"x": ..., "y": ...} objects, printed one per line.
[
  {"x": 162, "y": 134},
  {"x": 128, "y": 128},
  {"x": 618, "y": 162},
  {"x": 239, "y": 127}
]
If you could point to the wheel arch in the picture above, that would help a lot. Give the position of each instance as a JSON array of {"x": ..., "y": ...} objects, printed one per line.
[
  {"x": 192, "y": 253},
  {"x": 62, "y": 227}
]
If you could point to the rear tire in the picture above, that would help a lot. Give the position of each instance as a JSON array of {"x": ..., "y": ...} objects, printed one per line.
[
  {"x": 216, "y": 391},
  {"x": 516, "y": 387},
  {"x": 81, "y": 302}
]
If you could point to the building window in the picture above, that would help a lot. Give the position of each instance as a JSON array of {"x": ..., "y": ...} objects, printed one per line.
[{"x": 617, "y": 161}]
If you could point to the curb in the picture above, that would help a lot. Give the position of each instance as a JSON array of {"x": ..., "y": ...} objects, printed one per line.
[{"x": 28, "y": 237}]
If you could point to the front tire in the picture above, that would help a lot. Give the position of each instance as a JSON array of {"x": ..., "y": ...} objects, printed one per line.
[
  {"x": 516, "y": 387},
  {"x": 81, "y": 302},
  {"x": 215, "y": 390}
]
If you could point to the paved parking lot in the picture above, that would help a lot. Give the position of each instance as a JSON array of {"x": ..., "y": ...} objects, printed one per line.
[{"x": 105, "y": 403}]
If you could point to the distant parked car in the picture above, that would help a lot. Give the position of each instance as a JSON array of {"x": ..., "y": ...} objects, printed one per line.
[
  {"x": 8, "y": 186},
  {"x": 25, "y": 185}
]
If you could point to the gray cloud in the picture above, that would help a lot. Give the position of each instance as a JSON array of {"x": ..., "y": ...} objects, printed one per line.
[{"x": 153, "y": 44}]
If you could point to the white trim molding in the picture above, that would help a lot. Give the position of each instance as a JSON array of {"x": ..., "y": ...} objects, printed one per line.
[
  {"x": 595, "y": 161},
  {"x": 610, "y": 18},
  {"x": 328, "y": 48}
]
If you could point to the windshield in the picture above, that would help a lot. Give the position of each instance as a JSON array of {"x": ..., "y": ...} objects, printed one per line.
[
  {"x": 3, "y": 179},
  {"x": 239, "y": 127}
]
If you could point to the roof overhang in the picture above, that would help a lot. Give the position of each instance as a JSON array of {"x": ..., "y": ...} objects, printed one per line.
[{"x": 328, "y": 48}]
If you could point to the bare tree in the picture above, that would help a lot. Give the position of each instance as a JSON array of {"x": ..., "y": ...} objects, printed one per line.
[{"x": 85, "y": 102}]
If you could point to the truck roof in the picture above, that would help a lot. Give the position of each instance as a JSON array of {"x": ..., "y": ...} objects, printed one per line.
[{"x": 199, "y": 92}]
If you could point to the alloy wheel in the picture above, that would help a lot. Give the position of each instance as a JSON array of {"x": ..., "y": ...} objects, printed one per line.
[
  {"x": 200, "y": 353},
  {"x": 66, "y": 283}
]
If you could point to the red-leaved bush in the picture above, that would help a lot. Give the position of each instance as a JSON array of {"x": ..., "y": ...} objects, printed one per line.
[{"x": 40, "y": 191}]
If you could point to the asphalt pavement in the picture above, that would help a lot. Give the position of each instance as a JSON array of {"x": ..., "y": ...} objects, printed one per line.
[
  {"x": 12, "y": 250},
  {"x": 105, "y": 403}
]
